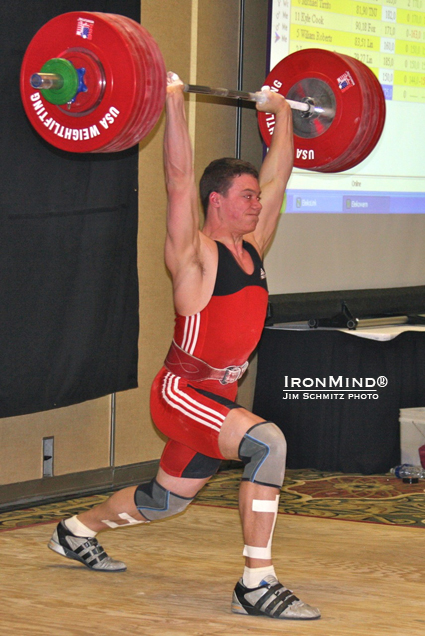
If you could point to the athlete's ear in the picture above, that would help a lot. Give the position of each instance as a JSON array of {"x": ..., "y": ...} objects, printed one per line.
[{"x": 215, "y": 199}]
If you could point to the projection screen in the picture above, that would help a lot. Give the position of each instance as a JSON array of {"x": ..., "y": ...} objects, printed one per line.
[{"x": 363, "y": 228}]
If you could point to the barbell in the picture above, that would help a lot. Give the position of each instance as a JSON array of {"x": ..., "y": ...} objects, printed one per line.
[{"x": 96, "y": 82}]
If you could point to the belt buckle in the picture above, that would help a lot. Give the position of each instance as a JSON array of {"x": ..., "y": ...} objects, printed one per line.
[{"x": 230, "y": 371}]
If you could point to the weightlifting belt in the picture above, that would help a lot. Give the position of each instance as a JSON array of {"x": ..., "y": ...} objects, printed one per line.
[{"x": 190, "y": 368}]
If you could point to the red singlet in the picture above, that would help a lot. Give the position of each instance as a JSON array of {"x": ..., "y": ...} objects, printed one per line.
[{"x": 223, "y": 334}]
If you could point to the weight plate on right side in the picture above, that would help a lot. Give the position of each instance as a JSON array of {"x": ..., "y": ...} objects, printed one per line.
[{"x": 329, "y": 74}]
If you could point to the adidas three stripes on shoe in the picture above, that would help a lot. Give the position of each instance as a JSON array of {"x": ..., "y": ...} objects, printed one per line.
[{"x": 84, "y": 549}]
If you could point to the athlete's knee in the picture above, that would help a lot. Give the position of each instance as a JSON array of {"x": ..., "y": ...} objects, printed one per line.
[
  {"x": 263, "y": 451},
  {"x": 155, "y": 502}
]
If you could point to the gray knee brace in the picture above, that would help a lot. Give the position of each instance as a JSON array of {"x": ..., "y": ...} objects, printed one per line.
[
  {"x": 263, "y": 451},
  {"x": 154, "y": 502}
]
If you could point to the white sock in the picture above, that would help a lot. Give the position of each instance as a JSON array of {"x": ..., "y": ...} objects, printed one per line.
[
  {"x": 79, "y": 529},
  {"x": 252, "y": 577}
]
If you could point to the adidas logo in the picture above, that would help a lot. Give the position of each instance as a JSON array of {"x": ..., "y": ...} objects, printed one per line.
[{"x": 262, "y": 274}]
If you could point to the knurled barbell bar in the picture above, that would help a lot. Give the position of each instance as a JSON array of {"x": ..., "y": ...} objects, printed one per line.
[{"x": 96, "y": 82}]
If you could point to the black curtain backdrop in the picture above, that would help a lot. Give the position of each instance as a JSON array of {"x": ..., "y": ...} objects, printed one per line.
[
  {"x": 347, "y": 435},
  {"x": 68, "y": 247}
]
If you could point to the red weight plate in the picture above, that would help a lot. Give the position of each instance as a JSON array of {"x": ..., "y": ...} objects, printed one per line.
[
  {"x": 381, "y": 112},
  {"x": 355, "y": 151},
  {"x": 358, "y": 151},
  {"x": 140, "y": 82},
  {"x": 155, "y": 84},
  {"x": 148, "y": 110},
  {"x": 319, "y": 68},
  {"x": 376, "y": 120},
  {"x": 143, "y": 127},
  {"x": 160, "y": 82},
  {"x": 83, "y": 131},
  {"x": 145, "y": 107}
]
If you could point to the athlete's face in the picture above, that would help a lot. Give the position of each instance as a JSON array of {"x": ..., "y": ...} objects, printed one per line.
[{"x": 241, "y": 205}]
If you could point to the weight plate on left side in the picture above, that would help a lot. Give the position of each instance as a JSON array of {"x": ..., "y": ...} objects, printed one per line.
[{"x": 66, "y": 127}]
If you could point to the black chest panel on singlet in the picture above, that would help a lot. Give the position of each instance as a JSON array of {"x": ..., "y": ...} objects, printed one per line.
[{"x": 231, "y": 278}]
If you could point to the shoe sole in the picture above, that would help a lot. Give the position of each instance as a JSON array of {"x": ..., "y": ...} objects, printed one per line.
[
  {"x": 237, "y": 608},
  {"x": 69, "y": 554}
]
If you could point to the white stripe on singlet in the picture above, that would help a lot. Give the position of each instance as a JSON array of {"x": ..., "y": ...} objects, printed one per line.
[
  {"x": 191, "y": 332},
  {"x": 197, "y": 411}
]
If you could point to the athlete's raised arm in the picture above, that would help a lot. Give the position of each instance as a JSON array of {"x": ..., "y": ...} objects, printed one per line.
[
  {"x": 182, "y": 242},
  {"x": 276, "y": 168}
]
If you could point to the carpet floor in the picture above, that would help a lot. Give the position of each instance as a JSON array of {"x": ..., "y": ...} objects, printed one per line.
[{"x": 381, "y": 499}]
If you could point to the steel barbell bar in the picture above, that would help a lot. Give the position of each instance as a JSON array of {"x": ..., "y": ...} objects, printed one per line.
[
  {"x": 308, "y": 107},
  {"x": 53, "y": 81}
]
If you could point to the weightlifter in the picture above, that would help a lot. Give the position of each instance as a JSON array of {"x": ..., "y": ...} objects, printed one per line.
[{"x": 220, "y": 298}]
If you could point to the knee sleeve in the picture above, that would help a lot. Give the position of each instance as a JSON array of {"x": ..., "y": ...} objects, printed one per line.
[
  {"x": 154, "y": 502},
  {"x": 263, "y": 451}
]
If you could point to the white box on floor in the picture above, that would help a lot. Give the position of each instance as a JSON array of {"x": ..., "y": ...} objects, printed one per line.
[{"x": 412, "y": 434}]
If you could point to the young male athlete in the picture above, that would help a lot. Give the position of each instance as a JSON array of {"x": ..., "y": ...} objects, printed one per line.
[{"x": 220, "y": 297}]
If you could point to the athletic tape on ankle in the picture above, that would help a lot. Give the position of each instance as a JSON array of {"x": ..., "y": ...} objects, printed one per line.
[
  {"x": 252, "y": 552},
  {"x": 131, "y": 521}
]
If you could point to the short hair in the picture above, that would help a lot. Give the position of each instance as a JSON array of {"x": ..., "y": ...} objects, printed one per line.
[{"x": 218, "y": 177}]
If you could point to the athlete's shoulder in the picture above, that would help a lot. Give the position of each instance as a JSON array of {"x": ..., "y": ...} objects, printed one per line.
[{"x": 249, "y": 240}]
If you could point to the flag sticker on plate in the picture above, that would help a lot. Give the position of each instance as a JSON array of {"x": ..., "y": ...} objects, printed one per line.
[
  {"x": 345, "y": 81},
  {"x": 85, "y": 28}
]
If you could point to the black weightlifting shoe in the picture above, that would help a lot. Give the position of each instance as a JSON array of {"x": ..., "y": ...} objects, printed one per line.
[
  {"x": 271, "y": 599},
  {"x": 84, "y": 549}
]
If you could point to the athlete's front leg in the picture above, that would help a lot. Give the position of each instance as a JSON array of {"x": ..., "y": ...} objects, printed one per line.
[{"x": 261, "y": 447}]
